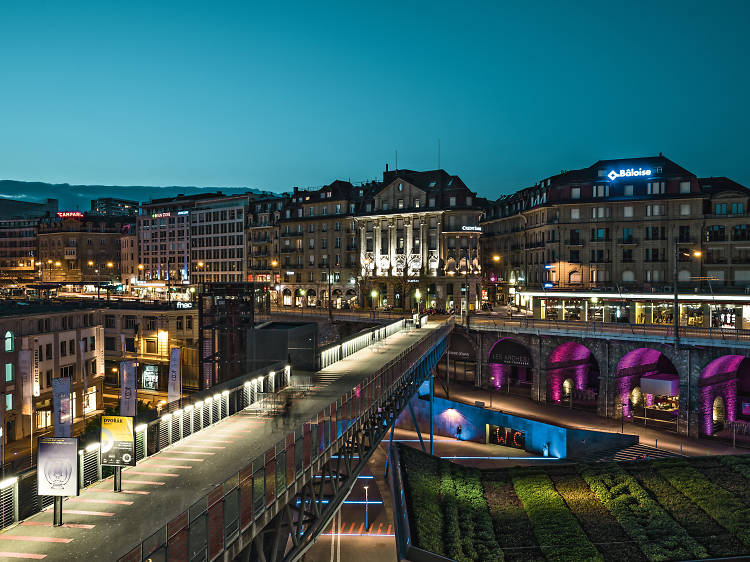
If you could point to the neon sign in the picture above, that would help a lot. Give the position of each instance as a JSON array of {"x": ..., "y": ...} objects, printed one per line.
[
  {"x": 69, "y": 214},
  {"x": 472, "y": 228},
  {"x": 499, "y": 435},
  {"x": 160, "y": 215},
  {"x": 629, "y": 173}
]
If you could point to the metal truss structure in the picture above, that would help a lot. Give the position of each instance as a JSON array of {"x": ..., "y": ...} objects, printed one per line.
[{"x": 308, "y": 507}]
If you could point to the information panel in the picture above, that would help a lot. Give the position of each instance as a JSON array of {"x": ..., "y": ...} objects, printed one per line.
[
  {"x": 57, "y": 470},
  {"x": 500, "y": 435},
  {"x": 117, "y": 441}
]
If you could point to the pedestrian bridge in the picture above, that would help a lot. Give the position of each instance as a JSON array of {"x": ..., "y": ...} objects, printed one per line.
[{"x": 221, "y": 478}]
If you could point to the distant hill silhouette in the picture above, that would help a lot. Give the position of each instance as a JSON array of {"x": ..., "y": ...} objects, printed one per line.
[{"x": 78, "y": 197}]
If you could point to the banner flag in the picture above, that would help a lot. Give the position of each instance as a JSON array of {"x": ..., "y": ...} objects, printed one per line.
[
  {"x": 175, "y": 375},
  {"x": 24, "y": 368},
  {"x": 127, "y": 388},
  {"x": 61, "y": 406}
]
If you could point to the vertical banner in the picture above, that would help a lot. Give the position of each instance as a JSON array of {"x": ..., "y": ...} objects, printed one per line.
[
  {"x": 57, "y": 466},
  {"x": 85, "y": 371},
  {"x": 127, "y": 388},
  {"x": 35, "y": 385},
  {"x": 61, "y": 405},
  {"x": 24, "y": 367},
  {"x": 174, "y": 390},
  {"x": 117, "y": 441},
  {"x": 99, "y": 346}
]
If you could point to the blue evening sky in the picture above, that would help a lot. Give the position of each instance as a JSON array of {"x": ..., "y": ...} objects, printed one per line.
[{"x": 276, "y": 94}]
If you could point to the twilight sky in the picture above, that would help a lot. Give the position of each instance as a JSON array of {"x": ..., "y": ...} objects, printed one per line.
[{"x": 271, "y": 95}]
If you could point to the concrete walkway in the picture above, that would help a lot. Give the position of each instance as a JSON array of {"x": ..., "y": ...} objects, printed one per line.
[
  {"x": 103, "y": 525},
  {"x": 566, "y": 417}
]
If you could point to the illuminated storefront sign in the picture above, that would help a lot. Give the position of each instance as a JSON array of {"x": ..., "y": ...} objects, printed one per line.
[
  {"x": 472, "y": 228},
  {"x": 69, "y": 214},
  {"x": 183, "y": 212},
  {"x": 499, "y": 435},
  {"x": 160, "y": 215},
  {"x": 629, "y": 173},
  {"x": 184, "y": 304}
]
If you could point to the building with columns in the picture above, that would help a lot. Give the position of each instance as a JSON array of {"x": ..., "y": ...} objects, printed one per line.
[{"x": 419, "y": 230}]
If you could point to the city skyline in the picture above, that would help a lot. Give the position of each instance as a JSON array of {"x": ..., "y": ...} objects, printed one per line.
[{"x": 237, "y": 98}]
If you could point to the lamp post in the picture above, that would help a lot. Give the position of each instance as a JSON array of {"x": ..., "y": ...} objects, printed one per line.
[
  {"x": 374, "y": 295},
  {"x": 492, "y": 381},
  {"x": 418, "y": 295},
  {"x": 676, "y": 305},
  {"x": 330, "y": 297},
  {"x": 276, "y": 282},
  {"x": 367, "y": 505}
]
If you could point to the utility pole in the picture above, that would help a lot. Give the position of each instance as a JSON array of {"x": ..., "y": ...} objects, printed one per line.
[
  {"x": 676, "y": 306},
  {"x": 330, "y": 297}
]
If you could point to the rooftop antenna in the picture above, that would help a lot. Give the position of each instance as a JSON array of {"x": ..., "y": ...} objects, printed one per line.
[
  {"x": 438, "y": 154},
  {"x": 397, "y": 160}
]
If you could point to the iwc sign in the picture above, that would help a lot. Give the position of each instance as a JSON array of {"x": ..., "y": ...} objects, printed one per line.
[{"x": 629, "y": 173}]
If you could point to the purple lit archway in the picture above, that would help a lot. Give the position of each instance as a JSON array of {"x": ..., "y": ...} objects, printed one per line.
[
  {"x": 509, "y": 364},
  {"x": 641, "y": 362},
  {"x": 727, "y": 378},
  {"x": 575, "y": 362}
]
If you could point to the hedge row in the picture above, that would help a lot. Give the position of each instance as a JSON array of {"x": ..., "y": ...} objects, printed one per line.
[
  {"x": 558, "y": 532},
  {"x": 658, "y": 535},
  {"x": 715, "y": 538},
  {"x": 423, "y": 498},
  {"x": 601, "y": 527},
  {"x": 719, "y": 503},
  {"x": 451, "y": 532},
  {"x": 716, "y": 472},
  {"x": 479, "y": 542},
  {"x": 740, "y": 463},
  {"x": 512, "y": 527}
]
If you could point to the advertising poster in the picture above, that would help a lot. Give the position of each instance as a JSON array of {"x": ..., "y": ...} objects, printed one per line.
[
  {"x": 85, "y": 370},
  {"x": 24, "y": 368},
  {"x": 61, "y": 405},
  {"x": 117, "y": 441},
  {"x": 127, "y": 388},
  {"x": 175, "y": 375},
  {"x": 57, "y": 470},
  {"x": 36, "y": 387}
]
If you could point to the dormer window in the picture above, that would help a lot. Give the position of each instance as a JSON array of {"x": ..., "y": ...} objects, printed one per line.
[{"x": 401, "y": 187}]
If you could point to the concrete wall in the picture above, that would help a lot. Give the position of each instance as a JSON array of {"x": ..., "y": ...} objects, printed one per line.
[{"x": 563, "y": 442}]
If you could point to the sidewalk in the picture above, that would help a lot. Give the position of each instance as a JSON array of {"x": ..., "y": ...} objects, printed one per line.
[{"x": 566, "y": 417}]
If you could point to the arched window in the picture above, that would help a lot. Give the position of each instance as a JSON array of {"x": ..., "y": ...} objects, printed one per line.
[{"x": 10, "y": 341}]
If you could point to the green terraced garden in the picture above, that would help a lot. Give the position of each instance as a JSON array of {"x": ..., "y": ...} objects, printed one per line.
[{"x": 656, "y": 510}]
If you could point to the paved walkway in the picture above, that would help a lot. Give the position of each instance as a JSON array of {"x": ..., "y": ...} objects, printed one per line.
[
  {"x": 566, "y": 417},
  {"x": 103, "y": 525}
]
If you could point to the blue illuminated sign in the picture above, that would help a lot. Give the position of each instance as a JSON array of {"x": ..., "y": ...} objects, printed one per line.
[
  {"x": 629, "y": 173},
  {"x": 548, "y": 285}
]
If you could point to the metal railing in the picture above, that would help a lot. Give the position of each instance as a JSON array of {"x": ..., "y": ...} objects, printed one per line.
[
  {"x": 183, "y": 418},
  {"x": 607, "y": 329},
  {"x": 248, "y": 496}
]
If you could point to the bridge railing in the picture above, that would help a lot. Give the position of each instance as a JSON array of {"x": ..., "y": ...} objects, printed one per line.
[
  {"x": 339, "y": 351},
  {"x": 620, "y": 328},
  {"x": 216, "y": 520},
  {"x": 18, "y": 494}
]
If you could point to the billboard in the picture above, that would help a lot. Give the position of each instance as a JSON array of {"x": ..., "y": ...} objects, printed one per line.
[
  {"x": 57, "y": 466},
  {"x": 61, "y": 405},
  {"x": 117, "y": 441},
  {"x": 127, "y": 388},
  {"x": 24, "y": 367}
]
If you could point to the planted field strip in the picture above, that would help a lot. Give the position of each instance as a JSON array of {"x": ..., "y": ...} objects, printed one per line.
[
  {"x": 655, "y": 510},
  {"x": 659, "y": 536},
  {"x": 715, "y": 538},
  {"x": 600, "y": 526},
  {"x": 558, "y": 532},
  {"x": 512, "y": 527},
  {"x": 719, "y": 503}
]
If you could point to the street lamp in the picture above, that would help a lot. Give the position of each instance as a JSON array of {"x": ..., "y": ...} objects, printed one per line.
[
  {"x": 492, "y": 381},
  {"x": 676, "y": 306},
  {"x": 367, "y": 519},
  {"x": 419, "y": 297},
  {"x": 374, "y": 295},
  {"x": 496, "y": 258}
]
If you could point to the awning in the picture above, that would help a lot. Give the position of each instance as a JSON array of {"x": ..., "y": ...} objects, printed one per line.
[{"x": 661, "y": 384}]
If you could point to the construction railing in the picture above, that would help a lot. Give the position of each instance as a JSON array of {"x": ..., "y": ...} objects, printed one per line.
[{"x": 244, "y": 499}]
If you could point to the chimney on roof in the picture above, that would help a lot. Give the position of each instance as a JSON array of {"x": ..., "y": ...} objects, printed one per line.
[
  {"x": 386, "y": 166},
  {"x": 296, "y": 190},
  {"x": 660, "y": 154}
]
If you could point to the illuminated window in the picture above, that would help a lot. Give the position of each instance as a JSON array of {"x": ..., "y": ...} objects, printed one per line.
[
  {"x": 9, "y": 372},
  {"x": 10, "y": 341}
]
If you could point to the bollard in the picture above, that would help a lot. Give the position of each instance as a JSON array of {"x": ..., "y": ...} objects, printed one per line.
[{"x": 656, "y": 443}]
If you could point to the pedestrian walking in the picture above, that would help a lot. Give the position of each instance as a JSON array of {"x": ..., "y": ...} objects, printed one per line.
[{"x": 458, "y": 433}]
